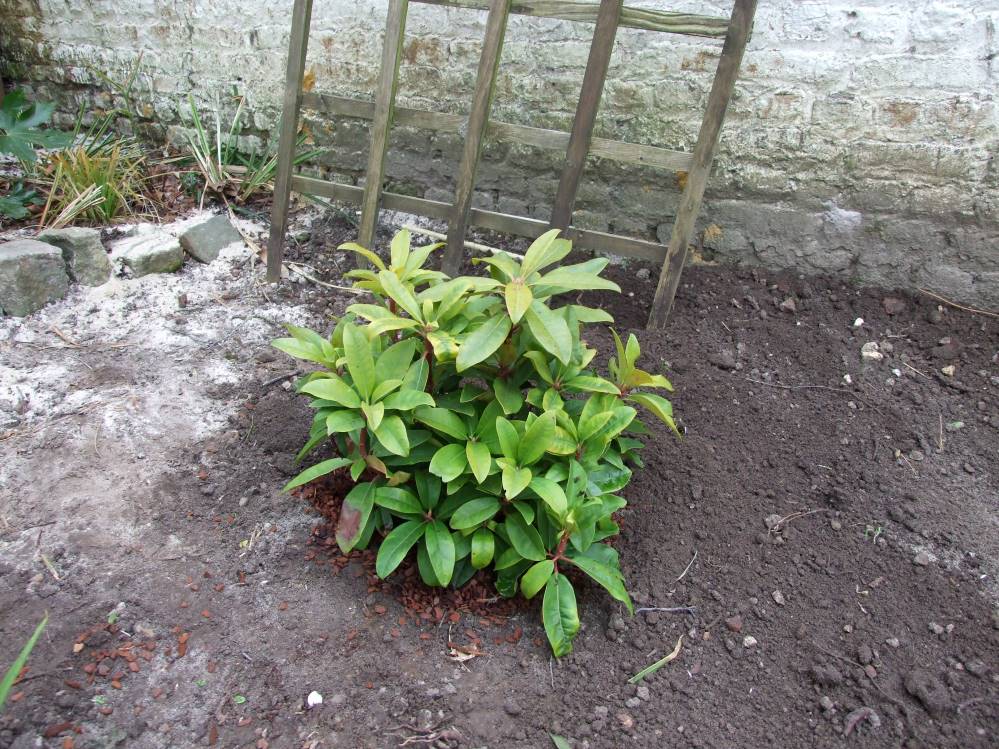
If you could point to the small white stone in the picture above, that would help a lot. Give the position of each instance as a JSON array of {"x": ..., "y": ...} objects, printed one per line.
[
  {"x": 847, "y": 379},
  {"x": 858, "y": 322},
  {"x": 870, "y": 350},
  {"x": 314, "y": 699},
  {"x": 949, "y": 370},
  {"x": 749, "y": 641}
]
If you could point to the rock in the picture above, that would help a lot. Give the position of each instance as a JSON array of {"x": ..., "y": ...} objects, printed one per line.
[
  {"x": 205, "y": 240},
  {"x": 734, "y": 623},
  {"x": 893, "y": 305},
  {"x": 871, "y": 351},
  {"x": 512, "y": 708},
  {"x": 854, "y": 718},
  {"x": 151, "y": 252},
  {"x": 835, "y": 524},
  {"x": 922, "y": 559},
  {"x": 976, "y": 667},
  {"x": 600, "y": 712},
  {"x": 949, "y": 370},
  {"x": 617, "y": 623},
  {"x": 32, "y": 274},
  {"x": 86, "y": 259},
  {"x": 749, "y": 641},
  {"x": 632, "y": 702},
  {"x": 893, "y": 642},
  {"x": 778, "y": 598},
  {"x": 643, "y": 693},
  {"x": 826, "y": 703},
  {"x": 929, "y": 690},
  {"x": 625, "y": 720},
  {"x": 724, "y": 359},
  {"x": 936, "y": 629},
  {"x": 643, "y": 274},
  {"x": 788, "y": 305},
  {"x": 771, "y": 521},
  {"x": 865, "y": 655},
  {"x": 826, "y": 676}
]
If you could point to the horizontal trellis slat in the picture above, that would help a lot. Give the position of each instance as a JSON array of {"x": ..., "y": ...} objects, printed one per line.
[
  {"x": 493, "y": 220},
  {"x": 636, "y": 18},
  {"x": 629, "y": 153}
]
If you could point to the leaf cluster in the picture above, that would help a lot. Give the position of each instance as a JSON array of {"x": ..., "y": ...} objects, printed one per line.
[{"x": 470, "y": 415}]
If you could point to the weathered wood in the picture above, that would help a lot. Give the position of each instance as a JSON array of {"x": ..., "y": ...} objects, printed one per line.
[
  {"x": 493, "y": 220},
  {"x": 707, "y": 139},
  {"x": 587, "y": 12},
  {"x": 301, "y": 15},
  {"x": 478, "y": 120},
  {"x": 395, "y": 28},
  {"x": 630, "y": 153},
  {"x": 586, "y": 111}
]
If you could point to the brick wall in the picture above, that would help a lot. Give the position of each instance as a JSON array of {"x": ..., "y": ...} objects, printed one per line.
[{"x": 862, "y": 139}]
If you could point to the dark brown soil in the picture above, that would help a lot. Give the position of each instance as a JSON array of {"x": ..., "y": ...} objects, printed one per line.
[{"x": 837, "y": 541}]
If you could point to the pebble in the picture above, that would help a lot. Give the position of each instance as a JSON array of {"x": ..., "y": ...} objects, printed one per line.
[
  {"x": 826, "y": 703},
  {"x": 892, "y": 642},
  {"x": 976, "y": 667},
  {"x": 835, "y": 524},
  {"x": 643, "y": 693},
  {"x": 936, "y": 628},
  {"x": 632, "y": 702},
  {"x": 922, "y": 559},
  {"x": 600, "y": 712},
  {"x": 734, "y": 623},
  {"x": 625, "y": 720},
  {"x": 772, "y": 520},
  {"x": 512, "y": 708},
  {"x": 865, "y": 655},
  {"x": 778, "y": 597},
  {"x": 749, "y": 641}
]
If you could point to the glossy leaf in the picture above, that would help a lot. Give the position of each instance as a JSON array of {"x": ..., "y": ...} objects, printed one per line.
[
  {"x": 474, "y": 512},
  {"x": 442, "y": 420},
  {"x": 354, "y": 514},
  {"x": 393, "y": 436},
  {"x": 343, "y": 421},
  {"x": 319, "y": 469},
  {"x": 483, "y": 342},
  {"x": 440, "y": 549},
  {"x": 536, "y": 578},
  {"x": 551, "y": 493},
  {"x": 524, "y": 538},
  {"x": 518, "y": 299},
  {"x": 396, "y": 545},
  {"x": 449, "y": 462},
  {"x": 483, "y": 548},
  {"x": 559, "y": 614},
  {"x": 550, "y": 330},
  {"x": 536, "y": 439},
  {"x": 608, "y": 578},
  {"x": 360, "y": 363},
  {"x": 479, "y": 459},
  {"x": 334, "y": 389}
]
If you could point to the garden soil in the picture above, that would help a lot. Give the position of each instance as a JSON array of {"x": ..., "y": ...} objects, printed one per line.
[{"x": 820, "y": 548}]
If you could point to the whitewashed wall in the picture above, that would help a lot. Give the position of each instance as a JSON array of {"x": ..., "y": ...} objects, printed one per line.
[{"x": 863, "y": 139}]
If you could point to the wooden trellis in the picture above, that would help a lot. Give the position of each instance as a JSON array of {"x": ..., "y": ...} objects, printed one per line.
[{"x": 608, "y": 16}]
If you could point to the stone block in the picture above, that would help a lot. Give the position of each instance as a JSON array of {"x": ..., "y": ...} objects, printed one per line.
[
  {"x": 32, "y": 274},
  {"x": 205, "y": 240},
  {"x": 86, "y": 259},
  {"x": 149, "y": 252}
]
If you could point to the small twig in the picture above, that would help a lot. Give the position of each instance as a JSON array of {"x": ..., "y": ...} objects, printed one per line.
[
  {"x": 649, "y": 670},
  {"x": 294, "y": 268},
  {"x": 948, "y": 302},
  {"x": 922, "y": 374},
  {"x": 50, "y": 567},
  {"x": 65, "y": 337},
  {"x": 469, "y": 245},
  {"x": 669, "y": 609},
  {"x": 275, "y": 380},
  {"x": 794, "y": 516},
  {"x": 815, "y": 387},
  {"x": 940, "y": 438},
  {"x": 687, "y": 568}
]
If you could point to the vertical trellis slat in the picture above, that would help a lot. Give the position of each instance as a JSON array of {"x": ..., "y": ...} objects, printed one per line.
[
  {"x": 704, "y": 151},
  {"x": 478, "y": 121},
  {"x": 586, "y": 111},
  {"x": 388, "y": 77},
  {"x": 301, "y": 16}
]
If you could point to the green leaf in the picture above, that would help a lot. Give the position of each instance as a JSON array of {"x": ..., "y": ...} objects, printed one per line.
[
  {"x": 354, "y": 514},
  {"x": 518, "y": 299},
  {"x": 399, "y": 249},
  {"x": 537, "y": 437},
  {"x": 360, "y": 363},
  {"x": 608, "y": 578},
  {"x": 592, "y": 385},
  {"x": 536, "y": 578},
  {"x": 579, "y": 277},
  {"x": 332, "y": 388},
  {"x": 559, "y": 613},
  {"x": 483, "y": 342},
  {"x": 560, "y": 742},
  {"x": 508, "y": 438},
  {"x": 515, "y": 480},
  {"x": 474, "y": 512},
  {"x": 483, "y": 548},
  {"x": 440, "y": 549},
  {"x": 524, "y": 538},
  {"x": 373, "y": 413},
  {"x": 12, "y": 673},
  {"x": 407, "y": 400},
  {"x": 392, "y": 434},
  {"x": 396, "y": 545},
  {"x": 364, "y": 252},
  {"x": 442, "y": 420},
  {"x": 400, "y": 294},
  {"x": 550, "y": 330},
  {"x": 343, "y": 421},
  {"x": 398, "y": 500},
  {"x": 449, "y": 462},
  {"x": 319, "y": 469},
  {"x": 394, "y": 360},
  {"x": 659, "y": 406},
  {"x": 551, "y": 493},
  {"x": 479, "y": 459},
  {"x": 300, "y": 350},
  {"x": 510, "y": 398},
  {"x": 544, "y": 250}
]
